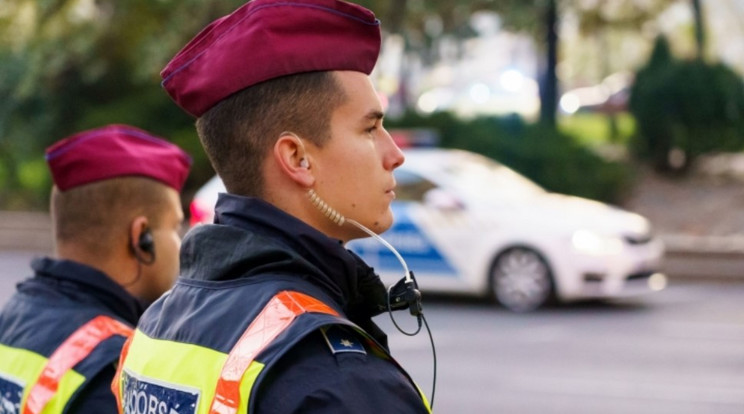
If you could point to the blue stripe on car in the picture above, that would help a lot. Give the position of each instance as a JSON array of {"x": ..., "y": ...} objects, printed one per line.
[{"x": 417, "y": 249}]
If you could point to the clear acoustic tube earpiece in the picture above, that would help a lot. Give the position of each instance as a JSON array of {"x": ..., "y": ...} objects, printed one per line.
[
  {"x": 403, "y": 293},
  {"x": 339, "y": 219},
  {"x": 324, "y": 208}
]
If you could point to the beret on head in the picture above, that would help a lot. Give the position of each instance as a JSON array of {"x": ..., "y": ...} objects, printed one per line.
[
  {"x": 266, "y": 39},
  {"x": 116, "y": 151}
]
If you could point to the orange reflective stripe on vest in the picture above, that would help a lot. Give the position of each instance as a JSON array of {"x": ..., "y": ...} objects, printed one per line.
[
  {"x": 275, "y": 317},
  {"x": 117, "y": 376},
  {"x": 73, "y": 350}
]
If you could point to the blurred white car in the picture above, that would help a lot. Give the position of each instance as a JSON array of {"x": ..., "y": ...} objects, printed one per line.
[{"x": 466, "y": 224}]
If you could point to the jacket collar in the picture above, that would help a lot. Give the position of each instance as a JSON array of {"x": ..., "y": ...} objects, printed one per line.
[
  {"x": 85, "y": 284},
  {"x": 253, "y": 238},
  {"x": 324, "y": 260}
]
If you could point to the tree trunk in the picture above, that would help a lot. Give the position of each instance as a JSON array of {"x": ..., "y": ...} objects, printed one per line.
[
  {"x": 699, "y": 28},
  {"x": 396, "y": 16},
  {"x": 549, "y": 81}
]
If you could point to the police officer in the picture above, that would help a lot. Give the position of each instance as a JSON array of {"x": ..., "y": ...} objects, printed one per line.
[
  {"x": 116, "y": 213},
  {"x": 271, "y": 313}
]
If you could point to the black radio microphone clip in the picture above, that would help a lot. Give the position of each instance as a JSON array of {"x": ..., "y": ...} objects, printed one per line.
[{"x": 405, "y": 294}]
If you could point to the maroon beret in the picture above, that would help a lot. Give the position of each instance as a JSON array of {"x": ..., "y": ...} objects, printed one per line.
[
  {"x": 116, "y": 151},
  {"x": 266, "y": 39}
]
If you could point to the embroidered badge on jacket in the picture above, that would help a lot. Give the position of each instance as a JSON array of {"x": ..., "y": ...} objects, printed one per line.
[{"x": 340, "y": 340}]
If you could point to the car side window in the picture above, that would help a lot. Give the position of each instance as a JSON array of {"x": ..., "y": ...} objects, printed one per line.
[{"x": 411, "y": 186}]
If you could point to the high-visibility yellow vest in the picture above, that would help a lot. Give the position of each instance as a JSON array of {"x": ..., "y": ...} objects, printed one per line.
[
  {"x": 196, "y": 379},
  {"x": 31, "y": 383}
]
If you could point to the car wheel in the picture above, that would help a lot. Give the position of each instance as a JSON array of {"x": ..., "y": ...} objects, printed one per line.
[{"x": 521, "y": 280}]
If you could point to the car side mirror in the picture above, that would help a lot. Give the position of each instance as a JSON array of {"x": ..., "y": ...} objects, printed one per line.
[{"x": 442, "y": 200}]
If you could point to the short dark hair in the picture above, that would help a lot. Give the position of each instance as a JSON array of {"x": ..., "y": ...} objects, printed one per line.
[
  {"x": 93, "y": 215},
  {"x": 238, "y": 132}
]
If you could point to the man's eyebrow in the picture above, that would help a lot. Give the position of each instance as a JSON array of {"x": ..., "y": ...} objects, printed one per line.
[{"x": 374, "y": 115}]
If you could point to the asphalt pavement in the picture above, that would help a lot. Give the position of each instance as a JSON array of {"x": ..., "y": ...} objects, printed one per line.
[{"x": 704, "y": 258}]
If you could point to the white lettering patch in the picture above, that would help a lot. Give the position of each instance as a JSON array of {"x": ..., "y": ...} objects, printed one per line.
[
  {"x": 148, "y": 396},
  {"x": 11, "y": 393}
]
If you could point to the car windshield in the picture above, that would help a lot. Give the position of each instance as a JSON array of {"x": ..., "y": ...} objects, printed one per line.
[{"x": 483, "y": 178}]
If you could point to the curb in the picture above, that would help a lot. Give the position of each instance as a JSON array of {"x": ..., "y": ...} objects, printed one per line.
[
  {"x": 716, "y": 245},
  {"x": 709, "y": 258}
]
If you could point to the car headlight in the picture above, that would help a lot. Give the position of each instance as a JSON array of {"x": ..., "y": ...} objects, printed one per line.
[{"x": 589, "y": 242}]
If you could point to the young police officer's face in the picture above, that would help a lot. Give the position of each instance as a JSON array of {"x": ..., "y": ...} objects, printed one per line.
[
  {"x": 354, "y": 169},
  {"x": 161, "y": 275}
]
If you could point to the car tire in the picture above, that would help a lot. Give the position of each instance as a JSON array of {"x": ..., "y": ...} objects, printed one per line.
[{"x": 521, "y": 280}]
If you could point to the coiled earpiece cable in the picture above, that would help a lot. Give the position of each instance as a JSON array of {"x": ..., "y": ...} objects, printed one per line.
[{"x": 398, "y": 295}]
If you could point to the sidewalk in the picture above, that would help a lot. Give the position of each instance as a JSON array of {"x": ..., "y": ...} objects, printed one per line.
[
  {"x": 713, "y": 258},
  {"x": 26, "y": 231}
]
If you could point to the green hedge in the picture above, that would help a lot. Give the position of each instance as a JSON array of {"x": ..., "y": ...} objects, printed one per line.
[
  {"x": 552, "y": 159},
  {"x": 692, "y": 106}
]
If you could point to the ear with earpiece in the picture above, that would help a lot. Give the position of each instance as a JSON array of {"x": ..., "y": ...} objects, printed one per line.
[
  {"x": 143, "y": 247},
  {"x": 293, "y": 159},
  {"x": 145, "y": 242}
]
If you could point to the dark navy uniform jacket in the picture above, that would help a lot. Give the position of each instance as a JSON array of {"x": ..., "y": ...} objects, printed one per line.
[
  {"x": 47, "y": 308},
  {"x": 253, "y": 240}
]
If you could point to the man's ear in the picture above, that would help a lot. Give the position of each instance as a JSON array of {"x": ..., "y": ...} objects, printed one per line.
[
  {"x": 140, "y": 239},
  {"x": 295, "y": 162}
]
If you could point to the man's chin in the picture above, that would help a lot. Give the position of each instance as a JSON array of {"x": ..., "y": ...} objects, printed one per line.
[
  {"x": 378, "y": 226},
  {"x": 384, "y": 223}
]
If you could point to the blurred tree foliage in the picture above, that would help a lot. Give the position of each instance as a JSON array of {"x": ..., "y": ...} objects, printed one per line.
[
  {"x": 685, "y": 108},
  {"x": 423, "y": 24},
  {"x": 69, "y": 65}
]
